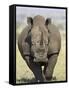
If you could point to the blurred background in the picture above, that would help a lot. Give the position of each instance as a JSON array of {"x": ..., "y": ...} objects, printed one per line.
[{"x": 58, "y": 16}]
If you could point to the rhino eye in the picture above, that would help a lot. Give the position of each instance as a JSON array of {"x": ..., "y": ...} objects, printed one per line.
[
  {"x": 46, "y": 42},
  {"x": 38, "y": 42},
  {"x": 33, "y": 43}
]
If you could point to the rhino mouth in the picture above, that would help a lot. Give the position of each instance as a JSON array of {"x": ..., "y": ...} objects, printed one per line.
[{"x": 41, "y": 57}]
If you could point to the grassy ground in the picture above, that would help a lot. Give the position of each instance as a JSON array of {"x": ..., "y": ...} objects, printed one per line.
[{"x": 24, "y": 75}]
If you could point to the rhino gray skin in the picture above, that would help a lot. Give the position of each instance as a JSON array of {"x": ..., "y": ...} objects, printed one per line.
[{"x": 39, "y": 44}]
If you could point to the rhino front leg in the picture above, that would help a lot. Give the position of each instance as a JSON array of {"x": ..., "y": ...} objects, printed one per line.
[
  {"x": 49, "y": 69},
  {"x": 35, "y": 68}
]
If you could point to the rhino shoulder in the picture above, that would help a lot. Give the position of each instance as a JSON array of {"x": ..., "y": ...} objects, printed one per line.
[
  {"x": 54, "y": 39},
  {"x": 22, "y": 41}
]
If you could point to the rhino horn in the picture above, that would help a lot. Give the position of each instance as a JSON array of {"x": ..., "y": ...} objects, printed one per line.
[{"x": 41, "y": 40}]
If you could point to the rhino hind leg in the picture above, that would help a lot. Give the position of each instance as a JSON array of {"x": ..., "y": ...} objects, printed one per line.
[
  {"x": 50, "y": 67},
  {"x": 35, "y": 68}
]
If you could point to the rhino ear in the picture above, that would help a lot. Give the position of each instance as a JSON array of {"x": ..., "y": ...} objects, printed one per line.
[
  {"x": 48, "y": 21},
  {"x": 29, "y": 21}
]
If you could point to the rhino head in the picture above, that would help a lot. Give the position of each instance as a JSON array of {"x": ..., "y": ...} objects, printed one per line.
[{"x": 39, "y": 39}]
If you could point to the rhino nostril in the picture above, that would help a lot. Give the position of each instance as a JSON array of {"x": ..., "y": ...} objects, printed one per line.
[{"x": 41, "y": 42}]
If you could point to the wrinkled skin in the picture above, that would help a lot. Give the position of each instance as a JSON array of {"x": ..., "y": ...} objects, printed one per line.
[{"x": 39, "y": 44}]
